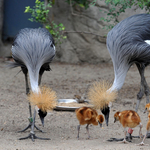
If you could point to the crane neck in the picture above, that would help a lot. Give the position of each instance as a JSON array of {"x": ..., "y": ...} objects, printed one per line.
[
  {"x": 119, "y": 80},
  {"x": 34, "y": 76}
]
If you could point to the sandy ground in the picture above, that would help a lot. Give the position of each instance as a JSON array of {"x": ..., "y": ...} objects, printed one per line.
[{"x": 61, "y": 126}]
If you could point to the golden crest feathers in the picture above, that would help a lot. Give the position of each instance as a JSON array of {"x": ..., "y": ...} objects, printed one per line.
[
  {"x": 46, "y": 99},
  {"x": 99, "y": 95}
]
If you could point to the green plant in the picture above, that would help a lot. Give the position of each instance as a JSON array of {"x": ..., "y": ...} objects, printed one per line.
[
  {"x": 81, "y": 3},
  {"x": 119, "y": 6},
  {"x": 39, "y": 13}
]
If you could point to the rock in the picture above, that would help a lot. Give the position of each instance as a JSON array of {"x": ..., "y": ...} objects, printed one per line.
[{"x": 80, "y": 47}]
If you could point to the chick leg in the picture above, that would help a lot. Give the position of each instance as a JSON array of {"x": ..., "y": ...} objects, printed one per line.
[
  {"x": 87, "y": 129},
  {"x": 140, "y": 131},
  {"x": 124, "y": 140},
  {"x": 142, "y": 143},
  {"x": 78, "y": 127}
]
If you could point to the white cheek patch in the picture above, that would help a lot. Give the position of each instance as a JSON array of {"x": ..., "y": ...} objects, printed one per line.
[
  {"x": 110, "y": 104},
  {"x": 37, "y": 109},
  {"x": 147, "y": 41},
  {"x": 54, "y": 47},
  {"x": 119, "y": 114}
]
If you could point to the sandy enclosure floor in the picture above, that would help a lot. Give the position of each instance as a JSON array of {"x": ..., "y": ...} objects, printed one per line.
[{"x": 67, "y": 80}]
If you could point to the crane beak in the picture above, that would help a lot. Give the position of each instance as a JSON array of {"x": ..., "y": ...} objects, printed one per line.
[
  {"x": 42, "y": 115},
  {"x": 106, "y": 112},
  {"x": 107, "y": 119},
  {"x": 42, "y": 120}
]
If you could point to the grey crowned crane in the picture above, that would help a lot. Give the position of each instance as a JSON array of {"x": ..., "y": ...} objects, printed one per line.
[
  {"x": 33, "y": 50},
  {"x": 129, "y": 43}
]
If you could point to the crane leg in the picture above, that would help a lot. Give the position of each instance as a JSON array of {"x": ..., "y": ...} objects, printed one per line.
[
  {"x": 141, "y": 68},
  {"x": 30, "y": 111},
  {"x": 143, "y": 89},
  {"x": 144, "y": 86},
  {"x": 32, "y": 135},
  {"x": 147, "y": 92}
]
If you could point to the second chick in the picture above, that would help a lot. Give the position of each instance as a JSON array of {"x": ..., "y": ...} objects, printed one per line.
[
  {"x": 128, "y": 118},
  {"x": 87, "y": 115}
]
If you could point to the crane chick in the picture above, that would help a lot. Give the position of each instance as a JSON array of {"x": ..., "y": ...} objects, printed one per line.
[
  {"x": 128, "y": 118},
  {"x": 87, "y": 115}
]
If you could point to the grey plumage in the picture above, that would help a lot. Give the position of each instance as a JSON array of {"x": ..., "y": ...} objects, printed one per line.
[
  {"x": 32, "y": 50},
  {"x": 126, "y": 43}
]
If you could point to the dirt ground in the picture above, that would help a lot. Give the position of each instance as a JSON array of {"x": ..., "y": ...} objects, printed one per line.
[{"x": 61, "y": 126}]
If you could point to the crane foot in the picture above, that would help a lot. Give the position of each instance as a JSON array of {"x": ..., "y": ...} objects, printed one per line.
[
  {"x": 121, "y": 139},
  {"x": 29, "y": 126},
  {"x": 114, "y": 139},
  {"x": 32, "y": 136},
  {"x": 138, "y": 136},
  {"x": 148, "y": 135}
]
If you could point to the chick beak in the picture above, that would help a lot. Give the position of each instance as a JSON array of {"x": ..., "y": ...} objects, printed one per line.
[
  {"x": 145, "y": 110},
  {"x": 100, "y": 124},
  {"x": 42, "y": 120}
]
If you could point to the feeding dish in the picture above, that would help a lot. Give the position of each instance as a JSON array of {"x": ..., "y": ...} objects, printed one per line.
[{"x": 70, "y": 105}]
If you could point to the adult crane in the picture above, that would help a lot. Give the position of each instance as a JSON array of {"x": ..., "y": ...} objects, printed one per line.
[
  {"x": 33, "y": 50},
  {"x": 129, "y": 43}
]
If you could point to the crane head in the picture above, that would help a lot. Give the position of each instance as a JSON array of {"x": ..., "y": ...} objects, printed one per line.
[{"x": 42, "y": 116}]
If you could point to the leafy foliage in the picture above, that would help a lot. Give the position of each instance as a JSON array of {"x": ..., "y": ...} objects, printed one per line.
[
  {"x": 119, "y": 6},
  {"x": 39, "y": 13},
  {"x": 81, "y": 3}
]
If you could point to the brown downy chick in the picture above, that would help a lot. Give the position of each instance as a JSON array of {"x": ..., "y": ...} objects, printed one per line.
[
  {"x": 147, "y": 108},
  {"x": 87, "y": 115},
  {"x": 128, "y": 118}
]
